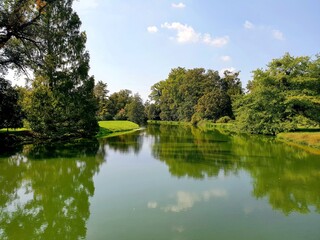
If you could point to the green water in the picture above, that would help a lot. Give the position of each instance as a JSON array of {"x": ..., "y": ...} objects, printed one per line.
[{"x": 166, "y": 182}]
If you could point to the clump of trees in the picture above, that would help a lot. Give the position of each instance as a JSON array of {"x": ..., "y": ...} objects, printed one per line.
[
  {"x": 194, "y": 94},
  {"x": 282, "y": 97},
  {"x": 120, "y": 105}
]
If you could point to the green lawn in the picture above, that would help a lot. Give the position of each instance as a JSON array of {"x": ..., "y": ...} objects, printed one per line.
[{"x": 108, "y": 127}]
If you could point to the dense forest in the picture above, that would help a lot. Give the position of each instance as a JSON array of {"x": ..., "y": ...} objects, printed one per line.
[{"x": 43, "y": 41}]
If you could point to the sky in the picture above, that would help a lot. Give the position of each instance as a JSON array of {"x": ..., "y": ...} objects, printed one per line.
[{"x": 134, "y": 44}]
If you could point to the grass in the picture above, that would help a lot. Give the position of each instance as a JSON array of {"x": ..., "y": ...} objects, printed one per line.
[
  {"x": 309, "y": 139},
  {"x": 304, "y": 138},
  {"x": 111, "y": 127},
  {"x": 13, "y": 130}
]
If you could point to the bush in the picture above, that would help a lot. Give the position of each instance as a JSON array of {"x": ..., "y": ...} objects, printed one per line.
[
  {"x": 196, "y": 118},
  {"x": 224, "y": 119}
]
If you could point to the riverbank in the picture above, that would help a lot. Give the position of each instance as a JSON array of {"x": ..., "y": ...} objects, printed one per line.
[
  {"x": 21, "y": 136},
  {"x": 306, "y": 140},
  {"x": 112, "y": 128},
  {"x": 12, "y": 137},
  {"x": 174, "y": 123}
]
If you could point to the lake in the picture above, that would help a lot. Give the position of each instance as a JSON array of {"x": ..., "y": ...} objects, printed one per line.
[{"x": 163, "y": 182}]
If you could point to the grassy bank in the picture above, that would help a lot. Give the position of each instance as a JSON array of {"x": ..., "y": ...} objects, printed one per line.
[
  {"x": 174, "y": 123},
  {"x": 304, "y": 139},
  {"x": 113, "y": 127}
]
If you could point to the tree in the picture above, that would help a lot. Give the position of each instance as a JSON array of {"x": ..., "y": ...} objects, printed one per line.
[
  {"x": 101, "y": 93},
  {"x": 178, "y": 96},
  {"x": 214, "y": 105},
  {"x": 63, "y": 75},
  {"x": 152, "y": 111},
  {"x": 282, "y": 97},
  {"x": 10, "y": 111},
  {"x": 118, "y": 101},
  {"x": 135, "y": 110}
]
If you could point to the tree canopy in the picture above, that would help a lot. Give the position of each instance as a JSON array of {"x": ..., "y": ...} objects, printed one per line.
[
  {"x": 195, "y": 92},
  {"x": 283, "y": 97}
]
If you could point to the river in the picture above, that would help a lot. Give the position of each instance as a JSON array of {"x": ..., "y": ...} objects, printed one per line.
[{"x": 163, "y": 182}]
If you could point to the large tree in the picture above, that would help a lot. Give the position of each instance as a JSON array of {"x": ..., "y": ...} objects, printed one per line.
[
  {"x": 62, "y": 75},
  {"x": 282, "y": 97}
]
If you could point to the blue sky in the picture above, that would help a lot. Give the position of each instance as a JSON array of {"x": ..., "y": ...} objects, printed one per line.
[{"x": 134, "y": 43}]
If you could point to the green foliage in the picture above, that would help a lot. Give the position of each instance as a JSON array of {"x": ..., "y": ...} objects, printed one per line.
[
  {"x": 196, "y": 118},
  {"x": 186, "y": 92},
  {"x": 19, "y": 43},
  {"x": 152, "y": 111},
  {"x": 224, "y": 119},
  {"x": 135, "y": 110},
  {"x": 281, "y": 96},
  {"x": 10, "y": 110},
  {"x": 214, "y": 105},
  {"x": 121, "y": 115},
  {"x": 62, "y": 101},
  {"x": 101, "y": 93},
  {"x": 118, "y": 101}
]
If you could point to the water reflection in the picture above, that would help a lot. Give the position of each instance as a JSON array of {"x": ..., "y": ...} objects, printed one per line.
[
  {"x": 125, "y": 143},
  {"x": 47, "y": 199},
  {"x": 186, "y": 200},
  {"x": 288, "y": 177}
]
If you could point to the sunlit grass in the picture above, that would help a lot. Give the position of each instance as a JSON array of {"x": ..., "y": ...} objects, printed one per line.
[
  {"x": 108, "y": 127},
  {"x": 311, "y": 139},
  {"x": 14, "y": 130}
]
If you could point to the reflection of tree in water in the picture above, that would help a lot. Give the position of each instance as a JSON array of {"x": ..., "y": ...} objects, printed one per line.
[
  {"x": 124, "y": 143},
  {"x": 287, "y": 176},
  {"x": 189, "y": 152},
  {"x": 47, "y": 199}
]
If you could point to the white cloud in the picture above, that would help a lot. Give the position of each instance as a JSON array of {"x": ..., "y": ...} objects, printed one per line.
[
  {"x": 85, "y": 4},
  {"x": 230, "y": 69},
  {"x": 186, "y": 34},
  {"x": 278, "y": 35},
  {"x": 248, "y": 25},
  {"x": 152, "y": 29},
  {"x": 178, "y": 5},
  {"x": 217, "y": 42},
  {"x": 225, "y": 58}
]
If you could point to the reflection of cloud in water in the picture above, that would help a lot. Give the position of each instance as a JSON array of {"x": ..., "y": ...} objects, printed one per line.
[
  {"x": 23, "y": 195},
  {"x": 152, "y": 204},
  {"x": 186, "y": 200},
  {"x": 178, "y": 229}
]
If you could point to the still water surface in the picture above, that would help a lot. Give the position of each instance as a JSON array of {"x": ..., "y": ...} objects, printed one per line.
[{"x": 165, "y": 182}]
